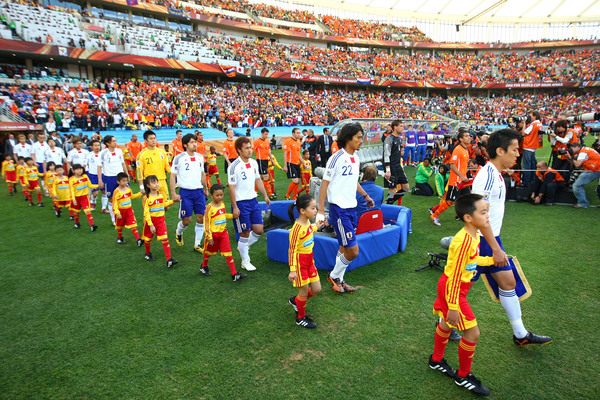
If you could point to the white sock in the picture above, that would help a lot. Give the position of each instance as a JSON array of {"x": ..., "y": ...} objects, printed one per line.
[
  {"x": 340, "y": 266},
  {"x": 112, "y": 214},
  {"x": 512, "y": 307},
  {"x": 104, "y": 201},
  {"x": 180, "y": 228},
  {"x": 243, "y": 249},
  {"x": 199, "y": 234},
  {"x": 253, "y": 238}
]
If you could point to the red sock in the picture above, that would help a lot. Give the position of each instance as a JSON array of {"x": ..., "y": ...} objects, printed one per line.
[
  {"x": 268, "y": 188},
  {"x": 434, "y": 208},
  {"x": 71, "y": 213},
  {"x": 57, "y": 208},
  {"x": 441, "y": 339},
  {"x": 77, "y": 218},
  {"x": 310, "y": 293},
  {"x": 147, "y": 246},
  {"x": 465, "y": 357},
  {"x": 119, "y": 233},
  {"x": 208, "y": 182},
  {"x": 205, "y": 260},
  {"x": 39, "y": 196},
  {"x": 167, "y": 248},
  {"x": 301, "y": 304},
  {"x": 231, "y": 264},
  {"x": 219, "y": 181},
  {"x": 400, "y": 201},
  {"x": 295, "y": 191},
  {"x": 272, "y": 186},
  {"x": 136, "y": 234},
  {"x": 90, "y": 218},
  {"x": 10, "y": 188},
  {"x": 441, "y": 208}
]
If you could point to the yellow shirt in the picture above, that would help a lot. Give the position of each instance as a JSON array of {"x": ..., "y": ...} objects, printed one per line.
[
  {"x": 31, "y": 174},
  {"x": 212, "y": 159},
  {"x": 122, "y": 200},
  {"x": 80, "y": 186},
  {"x": 215, "y": 219},
  {"x": 8, "y": 166},
  {"x": 21, "y": 172},
  {"x": 154, "y": 207},
  {"x": 152, "y": 162},
  {"x": 60, "y": 187},
  {"x": 305, "y": 167},
  {"x": 49, "y": 178},
  {"x": 301, "y": 242}
]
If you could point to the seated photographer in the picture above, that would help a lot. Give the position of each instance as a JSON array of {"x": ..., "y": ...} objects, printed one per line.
[
  {"x": 589, "y": 159},
  {"x": 376, "y": 192},
  {"x": 560, "y": 140},
  {"x": 424, "y": 171},
  {"x": 545, "y": 184}
]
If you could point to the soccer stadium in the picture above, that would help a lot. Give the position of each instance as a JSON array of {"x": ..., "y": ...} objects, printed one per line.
[{"x": 351, "y": 166}]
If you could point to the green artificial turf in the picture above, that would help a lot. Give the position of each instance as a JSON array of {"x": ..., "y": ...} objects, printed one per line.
[{"x": 84, "y": 317}]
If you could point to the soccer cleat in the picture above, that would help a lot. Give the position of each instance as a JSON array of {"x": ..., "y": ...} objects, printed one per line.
[
  {"x": 71, "y": 218},
  {"x": 140, "y": 243},
  {"x": 205, "y": 271},
  {"x": 93, "y": 206},
  {"x": 179, "y": 240},
  {"x": 41, "y": 205},
  {"x": 472, "y": 384},
  {"x": 436, "y": 221},
  {"x": 78, "y": 225},
  {"x": 11, "y": 194},
  {"x": 57, "y": 213},
  {"x": 104, "y": 211},
  {"x": 171, "y": 261},
  {"x": 94, "y": 228},
  {"x": 431, "y": 212},
  {"x": 457, "y": 218},
  {"x": 238, "y": 276},
  {"x": 199, "y": 249},
  {"x": 306, "y": 322},
  {"x": 336, "y": 284},
  {"x": 443, "y": 367},
  {"x": 455, "y": 336},
  {"x": 248, "y": 266},
  {"x": 292, "y": 301},
  {"x": 348, "y": 288},
  {"x": 532, "y": 339},
  {"x": 149, "y": 257},
  {"x": 120, "y": 240},
  {"x": 288, "y": 198},
  {"x": 31, "y": 205}
]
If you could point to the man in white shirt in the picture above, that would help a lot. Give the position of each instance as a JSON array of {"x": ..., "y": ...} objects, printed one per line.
[
  {"x": 339, "y": 186},
  {"x": 22, "y": 149},
  {"x": 54, "y": 154},
  {"x": 77, "y": 155},
  {"x": 187, "y": 172},
  {"x": 91, "y": 165},
  {"x": 38, "y": 150},
  {"x": 242, "y": 175},
  {"x": 503, "y": 148},
  {"x": 110, "y": 165}
]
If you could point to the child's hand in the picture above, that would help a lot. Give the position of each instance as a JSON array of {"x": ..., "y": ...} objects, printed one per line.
[
  {"x": 319, "y": 223},
  {"x": 292, "y": 276},
  {"x": 74, "y": 202},
  {"x": 119, "y": 216},
  {"x": 452, "y": 317},
  {"x": 211, "y": 242},
  {"x": 153, "y": 229},
  {"x": 55, "y": 197}
]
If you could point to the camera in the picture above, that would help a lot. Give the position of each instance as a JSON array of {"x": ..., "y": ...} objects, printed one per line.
[
  {"x": 482, "y": 144},
  {"x": 562, "y": 152},
  {"x": 593, "y": 116},
  {"x": 431, "y": 136}
]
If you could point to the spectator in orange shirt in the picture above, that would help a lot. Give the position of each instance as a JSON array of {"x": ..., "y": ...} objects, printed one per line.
[{"x": 291, "y": 158}]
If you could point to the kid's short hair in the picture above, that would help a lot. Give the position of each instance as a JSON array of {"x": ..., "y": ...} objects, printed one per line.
[
  {"x": 215, "y": 187},
  {"x": 121, "y": 175},
  {"x": 465, "y": 204},
  {"x": 50, "y": 164}
]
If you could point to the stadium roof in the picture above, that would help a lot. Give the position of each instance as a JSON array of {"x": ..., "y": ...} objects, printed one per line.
[{"x": 473, "y": 11}]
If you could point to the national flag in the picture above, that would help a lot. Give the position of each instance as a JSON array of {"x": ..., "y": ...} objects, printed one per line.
[
  {"x": 325, "y": 92},
  {"x": 364, "y": 81},
  {"x": 229, "y": 71},
  {"x": 132, "y": 2},
  {"x": 258, "y": 123}
]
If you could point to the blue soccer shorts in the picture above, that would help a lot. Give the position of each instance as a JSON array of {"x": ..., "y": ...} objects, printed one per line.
[
  {"x": 344, "y": 224},
  {"x": 110, "y": 184},
  {"x": 486, "y": 251},
  {"x": 192, "y": 201},
  {"x": 249, "y": 215}
]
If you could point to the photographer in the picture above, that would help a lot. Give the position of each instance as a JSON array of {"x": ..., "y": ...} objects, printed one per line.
[
  {"x": 590, "y": 160},
  {"x": 560, "y": 140},
  {"x": 545, "y": 184},
  {"x": 481, "y": 154},
  {"x": 531, "y": 142}
]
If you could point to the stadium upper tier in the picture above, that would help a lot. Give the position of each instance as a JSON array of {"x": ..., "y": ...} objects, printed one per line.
[{"x": 42, "y": 25}]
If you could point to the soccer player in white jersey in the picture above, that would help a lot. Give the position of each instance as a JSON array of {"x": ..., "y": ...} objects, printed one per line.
[
  {"x": 503, "y": 148},
  {"x": 340, "y": 184},
  {"x": 77, "y": 154},
  {"x": 91, "y": 166},
  {"x": 111, "y": 163},
  {"x": 242, "y": 175},
  {"x": 187, "y": 172}
]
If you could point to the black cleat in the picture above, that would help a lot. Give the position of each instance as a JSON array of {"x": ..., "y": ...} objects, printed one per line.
[
  {"x": 41, "y": 205},
  {"x": 171, "y": 262},
  {"x": 77, "y": 225},
  {"x": 292, "y": 301},
  {"x": 532, "y": 339},
  {"x": 11, "y": 194},
  {"x": 238, "y": 277},
  {"x": 455, "y": 336},
  {"x": 31, "y": 205},
  {"x": 140, "y": 243},
  {"x": 443, "y": 367},
  {"x": 121, "y": 240},
  {"x": 71, "y": 218},
  {"x": 149, "y": 257},
  {"x": 431, "y": 212},
  {"x": 472, "y": 384},
  {"x": 205, "y": 271},
  {"x": 336, "y": 284},
  {"x": 57, "y": 213},
  {"x": 94, "y": 228},
  {"x": 306, "y": 322},
  {"x": 179, "y": 240}
]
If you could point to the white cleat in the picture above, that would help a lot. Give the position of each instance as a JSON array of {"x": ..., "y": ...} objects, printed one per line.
[
  {"x": 248, "y": 266},
  {"x": 437, "y": 221}
]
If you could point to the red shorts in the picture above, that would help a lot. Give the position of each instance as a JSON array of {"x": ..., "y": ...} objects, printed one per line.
[
  {"x": 22, "y": 180},
  {"x": 161, "y": 229},
  {"x": 11, "y": 176},
  {"x": 306, "y": 270},
  {"x": 83, "y": 203},
  {"x": 440, "y": 307},
  {"x": 220, "y": 243},
  {"x": 62, "y": 203},
  {"x": 213, "y": 170},
  {"x": 33, "y": 185},
  {"x": 305, "y": 178},
  {"x": 127, "y": 219}
]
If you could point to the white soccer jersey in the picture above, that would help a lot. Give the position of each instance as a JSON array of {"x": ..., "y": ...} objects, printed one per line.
[
  {"x": 77, "y": 156},
  {"x": 342, "y": 174},
  {"x": 111, "y": 162},
  {"x": 490, "y": 184},
  {"x": 92, "y": 162},
  {"x": 243, "y": 176},
  {"x": 39, "y": 149},
  {"x": 55, "y": 155},
  {"x": 189, "y": 170},
  {"x": 23, "y": 150}
]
